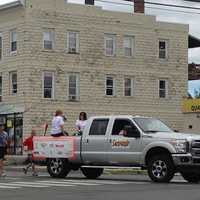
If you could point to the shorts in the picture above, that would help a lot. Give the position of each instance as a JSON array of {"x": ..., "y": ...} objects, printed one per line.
[
  {"x": 30, "y": 158},
  {"x": 2, "y": 153},
  {"x": 58, "y": 135}
]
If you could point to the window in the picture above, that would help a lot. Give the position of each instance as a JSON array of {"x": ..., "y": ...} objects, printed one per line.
[
  {"x": 109, "y": 86},
  {"x": 13, "y": 40},
  {"x": 73, "y": 42},
  {"x": 128, "y": 87},
  {"x": 48, "y": 85},
  {"x": 0, "y": 87},
  {"x": 48, "y": 39},
  {"x": 163, "y": 88},
  {"x": 99, "y": 127},
  {"x": 1, "y": 47},
  {"x": 109, "y": 45},
  {"x": 119, "y": 125},
  {"x": 13, "y": 82},
  {"x": 163, "y": 49},
  {"x": 73, "y": 87},
  {"x": 128, "y": 46}
]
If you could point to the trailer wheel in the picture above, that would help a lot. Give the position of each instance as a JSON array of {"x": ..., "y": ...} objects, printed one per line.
[
  {"x": 161, "y": 168},
  {"x": 58, "y": 167},
  {"x": 92, "y": 173}
]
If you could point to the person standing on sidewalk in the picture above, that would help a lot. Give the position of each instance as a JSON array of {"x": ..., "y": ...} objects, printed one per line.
[
  {"x": 3, "y": 149},
  {"x": 28, "y": 143}
]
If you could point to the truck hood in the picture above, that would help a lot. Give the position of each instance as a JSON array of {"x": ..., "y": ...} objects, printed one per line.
[{"x": 174, "y": 135}]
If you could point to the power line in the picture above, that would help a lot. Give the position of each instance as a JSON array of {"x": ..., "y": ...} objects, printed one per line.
[{"x": 152, "y": 3}]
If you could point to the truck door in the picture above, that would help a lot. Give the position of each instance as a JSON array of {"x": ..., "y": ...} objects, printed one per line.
[
  {"x": 93, "y": 144},
  {"x": 121, "y": 149}
]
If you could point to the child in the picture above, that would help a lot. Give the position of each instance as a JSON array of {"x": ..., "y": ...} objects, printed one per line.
[{"x": 29, "y": 144}]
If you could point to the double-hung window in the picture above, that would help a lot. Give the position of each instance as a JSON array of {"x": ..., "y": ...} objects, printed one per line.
[
  {"x": 109, "y": 44},
  {"x": 48, "y": 85},
  {"x": 163, "y": 48},
  {"x": 128, "y": 46},
  {"x": 1, "y": 47},
  {"x": 128, "y": 87},
  {"x": 1, "y": 87},
  {"x": 48, "y": 39},
  {"x": 13, "y": 41},
  {"x": 109, "y": 86},
  {"x": 13, "y": 82},
  {"x": 163, "y": 88},
  {"x": 73, "y": 84},
  {"x": 73, "y": 42}
]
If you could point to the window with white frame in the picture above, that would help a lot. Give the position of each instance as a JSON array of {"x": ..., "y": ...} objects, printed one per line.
[
  {"x": 128, "y": 45},
  {"x": 13, "y": 41},
  {"x": 109, "y": 44},
  {"x": 73, "y": 84},
  {"x": 1, "y": 87},
  {"x": 163, "y": 88},
  {"x": 163, "y": 46},
  {"x": 48, "y": 39},
  {"x": 13, "y": 82},
  {"x": 128, "y": 87},
  {"x": 109, "y": 86},
  {"x": 73, "y": 42},
  {"x": 1, "y": 47},
  {"x": 48, "y": 85}
]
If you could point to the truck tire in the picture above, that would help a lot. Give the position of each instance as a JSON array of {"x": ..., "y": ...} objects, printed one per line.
[
  {"x": 58, "y": 167},
  {"x": 191, "y": 177},
  {"x": 161, "y": 168},
  {"x": 92, "y": 173}
]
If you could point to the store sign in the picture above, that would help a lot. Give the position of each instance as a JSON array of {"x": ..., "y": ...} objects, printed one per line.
[
  {"x": 53, "y": 147},
  {"x": 191, "y": 106}
]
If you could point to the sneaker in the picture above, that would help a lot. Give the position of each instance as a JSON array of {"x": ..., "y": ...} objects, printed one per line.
[
  {"x": 34, "y": 174},
  {"x": 3, "y": 174},
  {"x": 25, "y": 170}
]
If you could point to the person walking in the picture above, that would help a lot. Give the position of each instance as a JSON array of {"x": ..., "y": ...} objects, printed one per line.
[
  {"x": 57, "y": 125},
  {"x": 3, "y": 146},
  {"x": 81, "y": 122},
  {"x": 28, "y": 143}
]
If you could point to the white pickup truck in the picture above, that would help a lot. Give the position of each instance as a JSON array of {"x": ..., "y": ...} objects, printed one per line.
[{"x": 128, "y": 141}]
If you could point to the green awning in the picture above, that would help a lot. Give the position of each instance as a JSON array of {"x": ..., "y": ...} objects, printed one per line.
[{"x": 11, "y": 109}]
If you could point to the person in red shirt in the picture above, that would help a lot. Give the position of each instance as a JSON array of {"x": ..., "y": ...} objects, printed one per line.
[{"x": 28, "y": 143}]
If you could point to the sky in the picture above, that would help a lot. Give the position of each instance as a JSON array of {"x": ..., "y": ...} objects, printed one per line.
[{"x": 193, "y": 19}]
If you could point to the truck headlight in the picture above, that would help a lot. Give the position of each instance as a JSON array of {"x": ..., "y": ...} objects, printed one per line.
[{"x": 180, "y": 145}]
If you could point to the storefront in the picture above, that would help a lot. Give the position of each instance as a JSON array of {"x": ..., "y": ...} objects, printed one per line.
[
  {"x": 191, "y": 111},
  {"x": 12, "y": 119}
]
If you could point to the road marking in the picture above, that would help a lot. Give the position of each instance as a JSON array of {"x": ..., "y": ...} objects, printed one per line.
[
  {"x": 69, "y": 182},
  {"x": 22, "y": 185},
  {"x": 99, "y": 181},
  {"x": 8, "y": 187},
  {"x": 47, "y": 183}
]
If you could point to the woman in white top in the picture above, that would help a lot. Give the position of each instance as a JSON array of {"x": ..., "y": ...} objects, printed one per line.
[
  {"x": 57, "y": 125},
  {"x": 81, "y": 122}
]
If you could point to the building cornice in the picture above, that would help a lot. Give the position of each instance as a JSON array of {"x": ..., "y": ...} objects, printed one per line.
[{"x": 12, "y": 5}]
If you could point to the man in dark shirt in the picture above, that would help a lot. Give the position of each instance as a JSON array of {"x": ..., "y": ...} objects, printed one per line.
[{"x": 3, "y": 144}]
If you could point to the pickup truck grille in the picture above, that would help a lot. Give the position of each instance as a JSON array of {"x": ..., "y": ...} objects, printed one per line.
[{"x": 195, "y": 148}]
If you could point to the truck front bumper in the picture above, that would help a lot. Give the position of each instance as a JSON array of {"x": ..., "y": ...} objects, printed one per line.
[{"x": 185, "y": 160}]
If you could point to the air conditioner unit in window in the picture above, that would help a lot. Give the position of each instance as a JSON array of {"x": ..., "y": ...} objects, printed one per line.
[
  {"x": 72, "y": 98},
  {"x": 72, "y": 50}
]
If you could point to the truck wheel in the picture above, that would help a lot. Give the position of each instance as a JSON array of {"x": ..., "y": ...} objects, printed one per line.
[
  {"x": 58, "y": 167},
  {"x": 92, "y": 173},
  {"x": 161, "y": 168},
  {"x": 191, "y": 177}
]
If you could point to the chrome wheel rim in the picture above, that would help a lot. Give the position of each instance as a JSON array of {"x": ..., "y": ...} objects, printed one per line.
[
  {"x": 159, "y": 169},
  {"x": 56, "y": 165}
]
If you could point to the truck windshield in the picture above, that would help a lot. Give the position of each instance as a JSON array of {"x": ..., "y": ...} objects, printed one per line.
[{"x": 152, "y": 125}]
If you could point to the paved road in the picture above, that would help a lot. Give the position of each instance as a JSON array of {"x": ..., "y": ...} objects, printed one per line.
[{"x": 16, "y": 186}]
